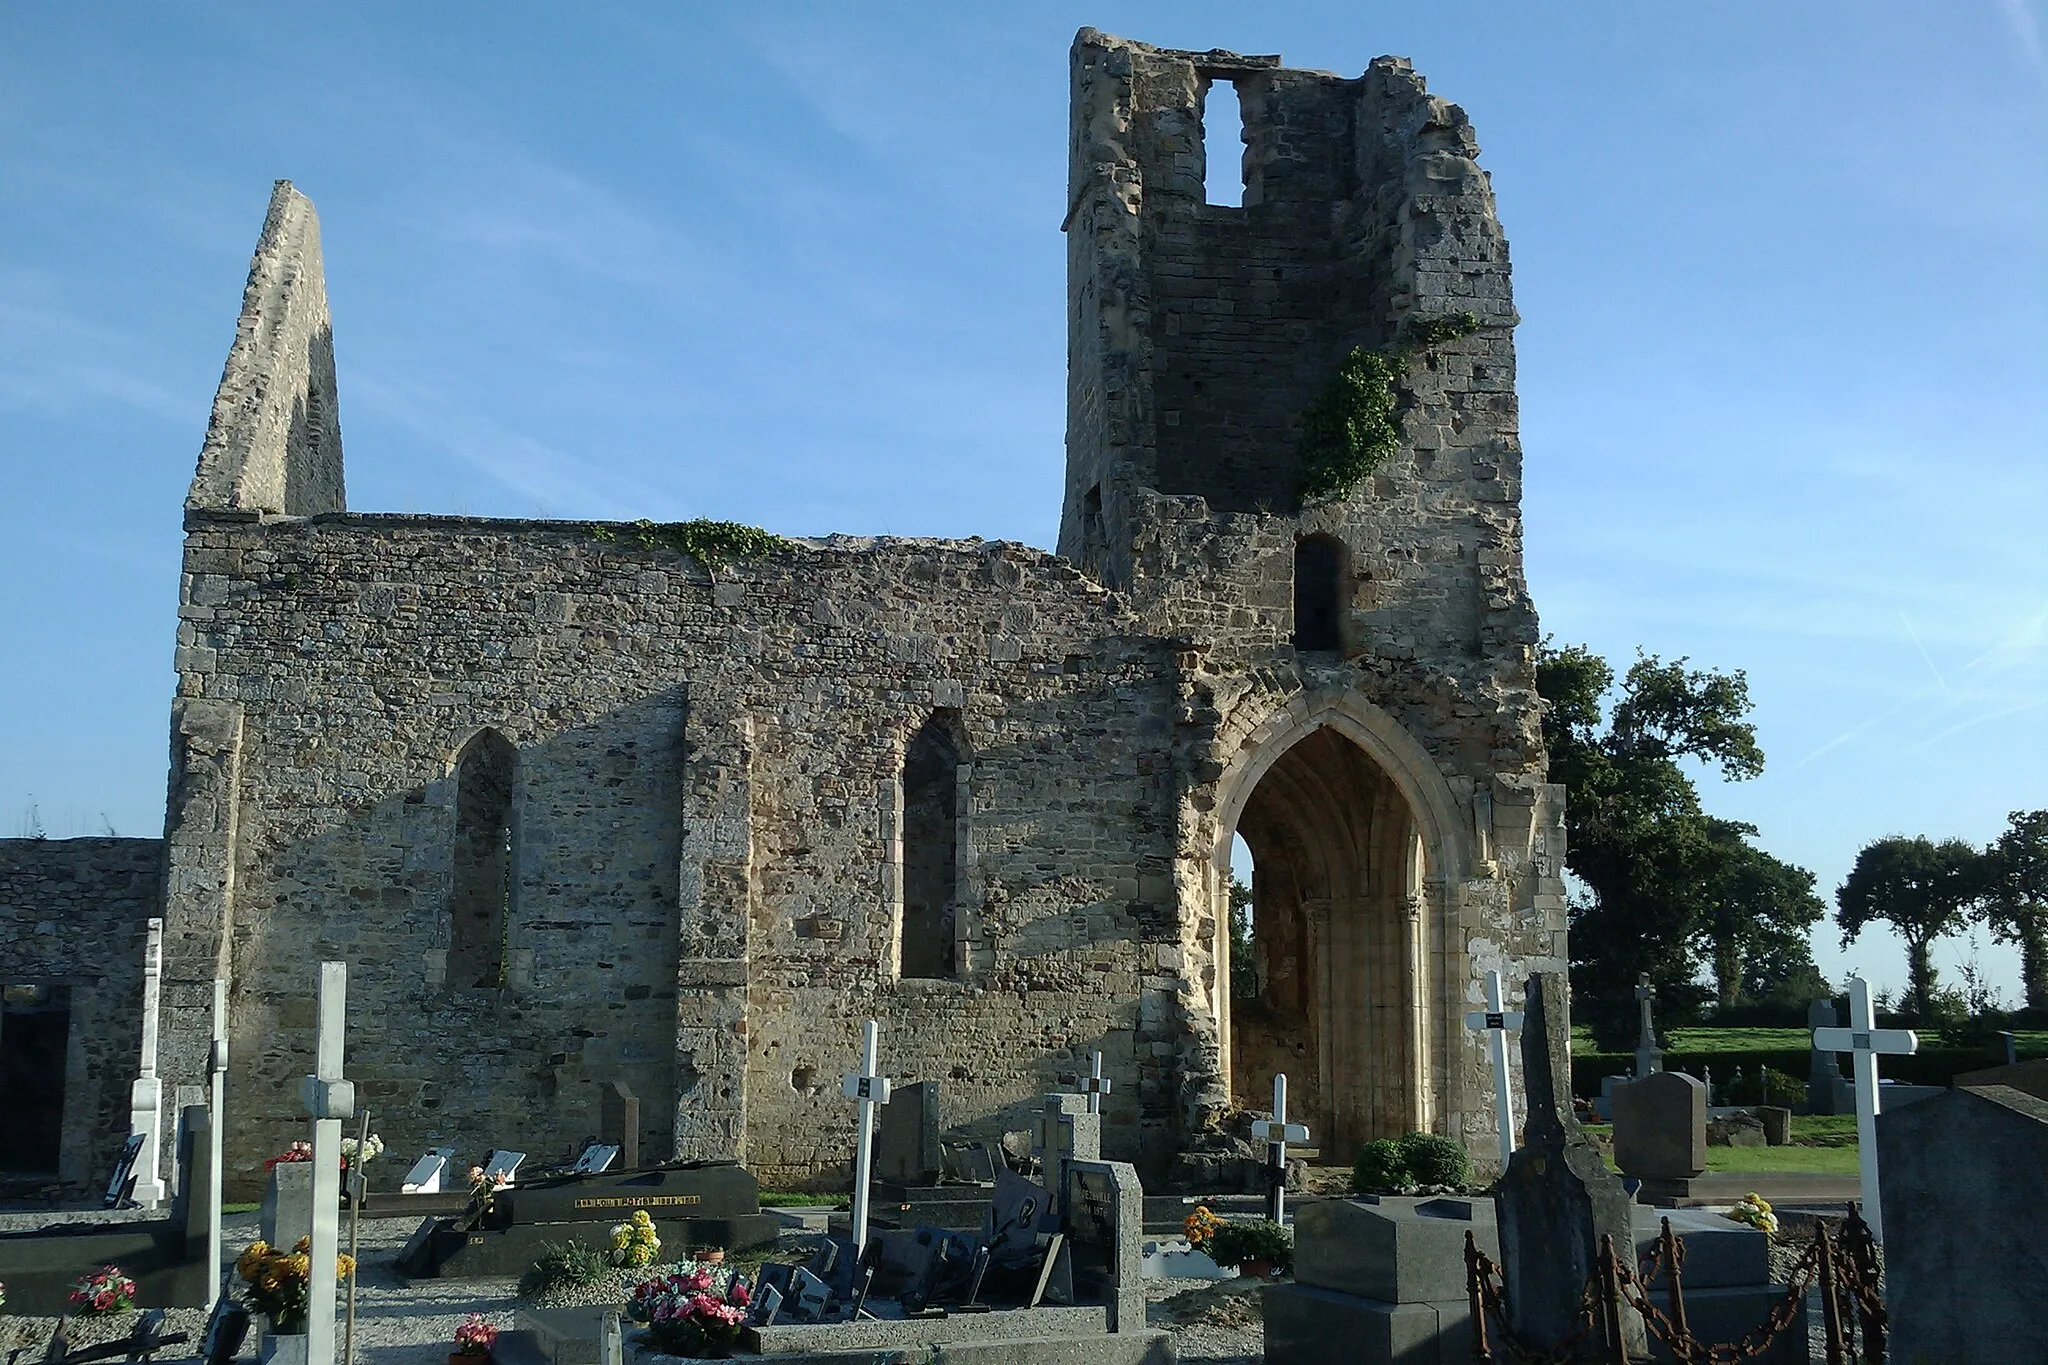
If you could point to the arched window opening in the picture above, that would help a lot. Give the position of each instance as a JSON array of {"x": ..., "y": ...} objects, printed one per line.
[
  {"x": 1318, "y": 575},
  {"x": 483, "y": 862},
  {"x": 1223, "y": 144},
  {"x": 931, "y": 847}
]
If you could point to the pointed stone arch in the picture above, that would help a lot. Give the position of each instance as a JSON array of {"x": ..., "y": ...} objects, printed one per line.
[{"x": 1357, "y": 843}]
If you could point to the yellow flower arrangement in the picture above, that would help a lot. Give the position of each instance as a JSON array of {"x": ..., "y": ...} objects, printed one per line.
[
  {"x": 1200, "y": 1227},
  {"x": 277, "y": 1282},
  {"x": 634, "y": 1242},
  {"x": 1755, "y": 1210}
]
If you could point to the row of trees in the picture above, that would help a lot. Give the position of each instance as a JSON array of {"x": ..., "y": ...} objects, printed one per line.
[
  {"x": 1669, "y": 890},
  {"x": 1927, "y": 891}
]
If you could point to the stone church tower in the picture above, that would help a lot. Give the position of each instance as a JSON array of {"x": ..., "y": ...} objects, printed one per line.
[{"x": 594, "y": 803}]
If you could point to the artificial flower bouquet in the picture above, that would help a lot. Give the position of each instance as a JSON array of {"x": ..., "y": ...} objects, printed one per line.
[
  {"x": 280, "y": 1282},
  {"x": 1754, "y": 1210},
  {"x": 634, "y": 1242},
  {"x": 475, "y": 1337},
  {"x": 697, "y": 1313},
  {"x": 106, "y": 1290}
]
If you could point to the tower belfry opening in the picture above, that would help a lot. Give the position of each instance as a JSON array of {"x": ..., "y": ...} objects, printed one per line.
[{"x": 1223, "y": 144}]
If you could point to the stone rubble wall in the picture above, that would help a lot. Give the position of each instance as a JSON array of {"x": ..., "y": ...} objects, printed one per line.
[
  {"x": 707, "y": 778},
  {"x": 74, "y": 914}
]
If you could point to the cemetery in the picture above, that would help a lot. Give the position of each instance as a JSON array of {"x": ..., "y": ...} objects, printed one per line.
[{"x": 801, "y": 980}]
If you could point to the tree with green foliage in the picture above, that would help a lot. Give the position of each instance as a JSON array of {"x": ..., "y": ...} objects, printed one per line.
[
  {"x": 1754, "y": 913},
  {"x": 2015, "y": 902},
  {"x": 1664, "y": 882},
  {"x": 1244, "y": 963},
  {"x": 1922, "y": 889}
]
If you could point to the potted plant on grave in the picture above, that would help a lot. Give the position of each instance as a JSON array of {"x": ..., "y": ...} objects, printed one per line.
[
  {"x": 473, "y": 1341},
  {"x": 279, "y": 1284},
  {"x": 1256, "y": 1248},
  {"x": 695, "y": 1315},
  {"x": 104, "y": 1291},
  {"x": 352, "y": 1164}
]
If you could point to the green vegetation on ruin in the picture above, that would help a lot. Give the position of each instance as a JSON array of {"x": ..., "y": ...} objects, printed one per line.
[
  {"x": 1354, "y": 426},
  {"x": 710, "y": 543}
]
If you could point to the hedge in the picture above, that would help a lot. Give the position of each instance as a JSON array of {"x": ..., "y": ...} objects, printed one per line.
[{"x": 1934, "y": 1065}]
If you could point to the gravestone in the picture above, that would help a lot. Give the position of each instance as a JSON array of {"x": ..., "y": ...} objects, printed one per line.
[
  {"x": 1777, "y": 1123},
  {"x": 1649, "y": 1057},
  {"x": 907, "y": 1141},
  {"x": 287, "y": 1213},
  {"x": 1660, "y": 1133},
  {"x": 1065, "y": 1131},
  {"x": 2028, "y": 1077},
  {"x": 1964, "y": 1208},
  {"x": 1739, "y": 1128},
  {"x": 1103, "y": 1219},
  {"x": 1557, "y": 1199},
  {"x": 1827, "y": 1089},
  {"x": 1378, "y": 1279},
  {"x": 618, "y": 1121}
]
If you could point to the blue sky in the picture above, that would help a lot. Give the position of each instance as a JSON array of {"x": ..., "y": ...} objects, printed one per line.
[{"x": 1783, "y": 271}]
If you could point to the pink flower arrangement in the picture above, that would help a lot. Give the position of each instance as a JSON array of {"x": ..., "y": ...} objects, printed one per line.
[
  {"x": 476, "y": 1336},
  {"x": 298, "y": 1151},
  {"x": 106, "y": 1290},
  {"x": 696, "y": 1314}
]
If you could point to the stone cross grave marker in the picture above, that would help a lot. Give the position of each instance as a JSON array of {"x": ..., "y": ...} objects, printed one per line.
[
  {"x": 1649, "y": 1057},
  {"x": 1557, "y": 1200},
  {"x": 329, "y": 1099},
  {"x": 217, "y": 1101},
  {"x": 1497, "y": 1021},
  {"x": 1276, "y": 1133},
  {"x": 1096, "y": 1085},
  {"x": 146, "y": 1097},
  {"x": 1865, "y": 1043},
  {"x": 868, "y": 1087}
]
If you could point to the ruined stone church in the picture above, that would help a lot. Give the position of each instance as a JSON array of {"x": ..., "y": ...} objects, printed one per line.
[{"x": 681, "y": 808}]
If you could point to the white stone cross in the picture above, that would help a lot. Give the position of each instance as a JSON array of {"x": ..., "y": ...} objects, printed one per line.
[
  {"x": 1276, "y": 1133},
  {"x": 1864, "y": 1043},
  {"x": 1497, "y": 1021},
  {"x": 329, "y": 1099},
  {"x": 146, "y": 1097},
  {"x": 869, "y": 1088},
  {"x": 1096, "y": 1085},
  {"x": 217, "y": 1103}
]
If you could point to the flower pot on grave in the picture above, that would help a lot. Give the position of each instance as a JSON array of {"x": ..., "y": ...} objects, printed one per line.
[
  {"x": 1258, "y": 1268},
  {"x": 284, "y": 1348}
]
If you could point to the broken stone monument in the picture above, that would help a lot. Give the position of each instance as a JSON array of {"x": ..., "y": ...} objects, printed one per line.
[
  {"x": 1660, "y": 1134},
  {"x": 1557, "y": 1199}
]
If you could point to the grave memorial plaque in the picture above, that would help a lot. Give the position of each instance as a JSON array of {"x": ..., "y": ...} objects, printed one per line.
[
  {"x": 1103, "y": 1220},
  {"x": 694, "y": 1204}
]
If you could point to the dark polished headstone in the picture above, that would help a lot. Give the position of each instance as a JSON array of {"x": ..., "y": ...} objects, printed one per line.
[
  {"x": 1557, "y": 1198},
  {"x": 907, "y": 1140},
  {"x": 618, "y": 1122},
  {"x": 1660, "y": 1127}
]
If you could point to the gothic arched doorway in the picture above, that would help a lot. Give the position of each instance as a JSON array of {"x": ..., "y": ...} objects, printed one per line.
[{"x": 1337, "y": 862}]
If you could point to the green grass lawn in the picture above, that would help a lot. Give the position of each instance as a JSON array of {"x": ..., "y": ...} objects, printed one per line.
[{"x": 2030, "y": 1042}]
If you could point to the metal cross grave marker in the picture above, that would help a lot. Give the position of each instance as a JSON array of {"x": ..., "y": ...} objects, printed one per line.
[
  {"x": 329, "y": 1099},
  {"x": 1497, "y": 1022},
  {"x": 1866, "y": 1043},
  {"x": 869, "y": 1088},
  {"x": 1096, "y": 1085},
  {"x": 146, "y": 1097},
  {"x": 1276, "y": 1133}
]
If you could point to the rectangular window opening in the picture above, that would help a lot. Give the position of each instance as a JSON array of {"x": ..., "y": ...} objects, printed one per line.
[{"x": 1223, "y": 144}]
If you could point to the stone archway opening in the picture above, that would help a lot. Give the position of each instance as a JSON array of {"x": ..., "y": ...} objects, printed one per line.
[{"x": 1337, "y": 872}]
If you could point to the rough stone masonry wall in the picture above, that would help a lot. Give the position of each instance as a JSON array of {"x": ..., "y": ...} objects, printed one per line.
[
  {"x": 74, "y": 914},
  {"x": 703, "y": 829},
  {"x": 1200, "y": 333}
]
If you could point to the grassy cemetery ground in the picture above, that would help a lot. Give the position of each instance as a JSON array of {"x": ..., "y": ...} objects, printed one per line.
[
  {"x": 1822, "y": 1144},
  {"x": 2029, "y": 1042}
]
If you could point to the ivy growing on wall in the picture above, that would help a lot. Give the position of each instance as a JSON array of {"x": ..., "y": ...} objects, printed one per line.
[
  {"x": 710, "y": 543},
  {"x": 1353, "y": 427}
]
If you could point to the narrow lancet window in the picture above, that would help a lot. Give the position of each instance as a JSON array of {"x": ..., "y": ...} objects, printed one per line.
[
  {"x": 483, "y": 862},
  {"x": 1318, "y": 574},
  {"x": 931, "y": 847}
]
